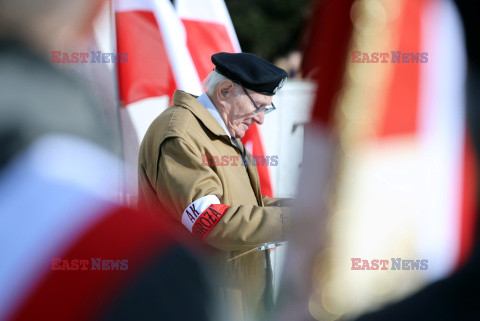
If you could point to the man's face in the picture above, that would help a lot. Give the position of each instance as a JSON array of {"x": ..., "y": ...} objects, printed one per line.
[{"x": 238, "y": 111}]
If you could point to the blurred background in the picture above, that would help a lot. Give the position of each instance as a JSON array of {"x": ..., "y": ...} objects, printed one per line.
[{"x": 401, "y": 175}]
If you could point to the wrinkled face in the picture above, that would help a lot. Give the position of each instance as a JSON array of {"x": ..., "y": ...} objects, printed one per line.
[{"x": 238, "y": 111}]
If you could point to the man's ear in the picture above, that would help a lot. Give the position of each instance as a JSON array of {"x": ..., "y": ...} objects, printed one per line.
[{"x": 225, "y": 89}]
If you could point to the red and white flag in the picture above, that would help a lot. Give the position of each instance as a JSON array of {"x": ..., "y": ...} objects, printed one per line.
[
  {"x": 154, "y": 39},
  {"x": 405, "y": 183},
  {"x": 158, "y": 58}
]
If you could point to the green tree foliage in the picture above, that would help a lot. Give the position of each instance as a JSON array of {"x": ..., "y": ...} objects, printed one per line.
[{"x": 269, "y": 28}]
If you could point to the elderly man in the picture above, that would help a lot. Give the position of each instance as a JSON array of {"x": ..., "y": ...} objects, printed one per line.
[{"x": 220, "y": 205}]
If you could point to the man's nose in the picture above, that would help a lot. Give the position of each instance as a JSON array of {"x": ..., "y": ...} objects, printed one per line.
[{"x": 259, "y": 118}]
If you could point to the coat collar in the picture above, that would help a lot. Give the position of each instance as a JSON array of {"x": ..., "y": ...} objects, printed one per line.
[
  {"x": 207, "y": 103},
  {"x": 190, "y": 102}
]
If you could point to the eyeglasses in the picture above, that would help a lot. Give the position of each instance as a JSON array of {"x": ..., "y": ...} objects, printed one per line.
[{"x": 266, "y": 109}]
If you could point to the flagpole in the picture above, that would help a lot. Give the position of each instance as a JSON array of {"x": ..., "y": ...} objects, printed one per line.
[{"x": 117, "y": 102}]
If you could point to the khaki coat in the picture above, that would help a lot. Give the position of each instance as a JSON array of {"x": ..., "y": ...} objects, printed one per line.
[{"x": 173, "y": 173}]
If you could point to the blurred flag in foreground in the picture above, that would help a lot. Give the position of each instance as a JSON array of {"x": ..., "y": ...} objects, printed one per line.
[
  {"x": 324, "y": 64},
  {"x": 405, "y": 176}
]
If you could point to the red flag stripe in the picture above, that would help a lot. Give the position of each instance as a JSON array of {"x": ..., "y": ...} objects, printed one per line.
[
  {"x": 401, "y": 112},
  {"x": 325, "y": 55},
  {"x": 469, "y": 202},
  {"x": 81, "y": 295},
  {"x": 253, "y": 137},
  {"x": 203, "y": 40},
  {"x": 209, "y": 218},
  {"x": 148, "y": 72}
]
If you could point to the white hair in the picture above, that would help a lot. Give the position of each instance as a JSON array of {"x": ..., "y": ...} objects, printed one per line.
[{"x": 213, "y": 79}]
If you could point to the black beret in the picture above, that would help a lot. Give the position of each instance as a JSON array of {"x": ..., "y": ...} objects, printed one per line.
[{"x": 250, "y": 71}]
